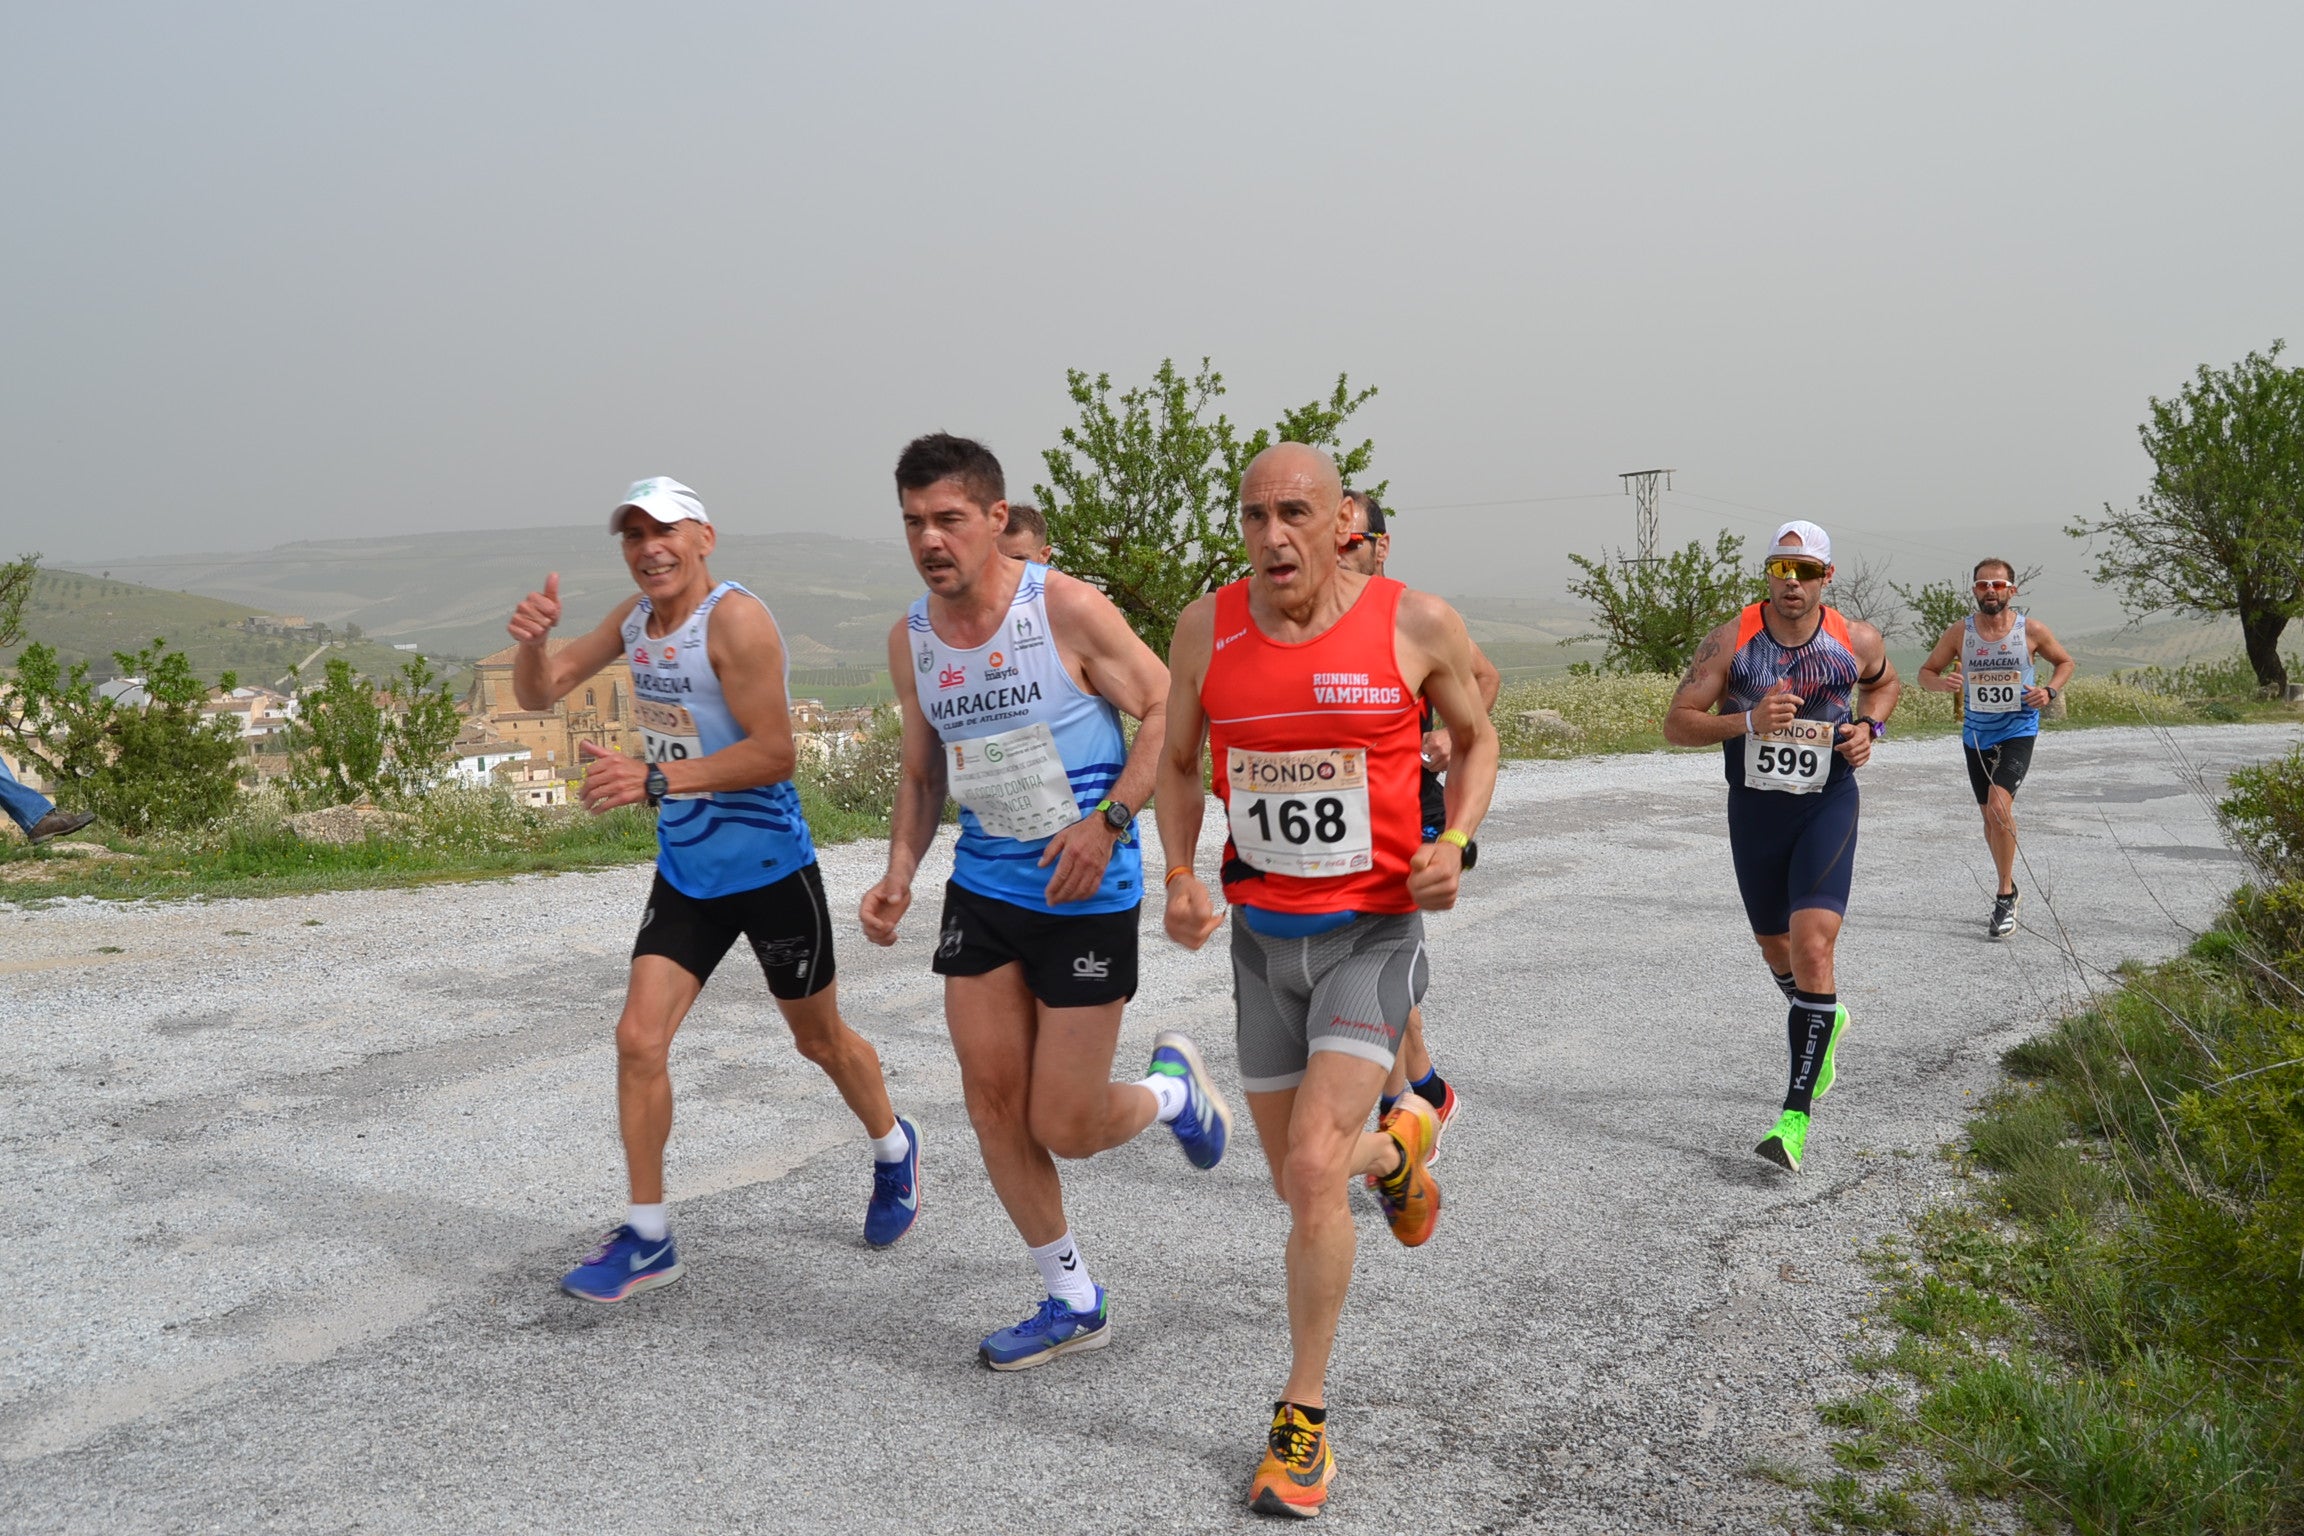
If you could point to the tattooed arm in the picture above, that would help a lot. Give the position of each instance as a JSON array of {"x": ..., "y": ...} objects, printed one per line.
[{"x": 1690, "y": 721}]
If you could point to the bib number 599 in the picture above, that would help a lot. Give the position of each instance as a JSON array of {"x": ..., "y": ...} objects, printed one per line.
[
  {"x": 1326, "y": 821},
  {"x": 1791, "y": 762}
]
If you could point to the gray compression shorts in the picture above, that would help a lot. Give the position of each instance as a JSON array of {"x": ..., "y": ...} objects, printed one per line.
[{"x": 1348, "y": 989}]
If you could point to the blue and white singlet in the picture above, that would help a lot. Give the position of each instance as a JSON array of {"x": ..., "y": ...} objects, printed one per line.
[
  {"x": 1992, "y": 707},
  {"x": 729, "y": 840},
  {"x": 1025, "y": 748}
]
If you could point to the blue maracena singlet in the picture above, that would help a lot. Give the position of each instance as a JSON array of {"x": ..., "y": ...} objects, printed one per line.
[
  {"x": 731, "y": 839},
  {"x": 1027, "y": 752}
]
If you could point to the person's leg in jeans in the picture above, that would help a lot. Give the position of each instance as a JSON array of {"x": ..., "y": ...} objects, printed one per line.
[{"x": 24, "y": 806}]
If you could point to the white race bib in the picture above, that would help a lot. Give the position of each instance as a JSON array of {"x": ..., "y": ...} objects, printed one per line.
[
  {"x": 1995, "y": 693},
  {"x": 1301, "y": 813},
  {"x": 1796, "y": 759},
  {"x": 1014, "y": 783},
  {"x": 668, "y": 734}
]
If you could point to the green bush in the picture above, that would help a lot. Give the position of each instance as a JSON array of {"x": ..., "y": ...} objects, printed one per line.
[
  {"x": 139, "y": 767},
  {"x": 2265, "y": 814}
]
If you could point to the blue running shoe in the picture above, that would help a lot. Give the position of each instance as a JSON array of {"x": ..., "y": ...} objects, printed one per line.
[
  {"x": 624, "y": 1264},
  {"x": 895, "y": 1193},
  {"x": 1204, "y": 1125},
  {"x": 1053, "y": 1330}
]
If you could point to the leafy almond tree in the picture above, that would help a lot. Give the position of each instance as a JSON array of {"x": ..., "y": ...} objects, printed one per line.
[
  {"x": 1143, "y": 500},
  {"x": 138, "y": 762},
  {"x": 351, "y": 741},
  {"x": 1653, "y": 613},
  {"x": 2219, "y": 530}
]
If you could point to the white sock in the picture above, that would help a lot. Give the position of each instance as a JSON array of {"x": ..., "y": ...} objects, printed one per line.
[
  {"x": 1066, "y": 1274},
  {"x": 1171, "y": 1093},
  {"x": 650, "y": 1221},
  {"x": 893, "y": 1147}
]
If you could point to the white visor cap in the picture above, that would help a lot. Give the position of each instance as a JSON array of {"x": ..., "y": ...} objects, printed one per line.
[
  {"x": 662, "y": 498},
  {"x": 1813, "y": 542}
]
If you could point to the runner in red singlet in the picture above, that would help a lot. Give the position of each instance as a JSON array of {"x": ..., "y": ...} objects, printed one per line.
[{"x": 1304, "y": 679}]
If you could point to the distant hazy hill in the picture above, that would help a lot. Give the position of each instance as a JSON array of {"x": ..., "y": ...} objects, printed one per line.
[
  {"x": 450, "y": 592},
  {"x": 87, "y": 616}
]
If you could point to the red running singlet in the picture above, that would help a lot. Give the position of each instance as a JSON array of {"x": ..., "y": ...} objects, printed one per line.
[{"x": 1318, "y": 749}]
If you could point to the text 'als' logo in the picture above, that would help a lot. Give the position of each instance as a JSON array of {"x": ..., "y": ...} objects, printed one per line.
[
  {"x": 639, "y": 655},
  {"x": 1091, "y": 966},
  {"x": 951, "y": 677}
]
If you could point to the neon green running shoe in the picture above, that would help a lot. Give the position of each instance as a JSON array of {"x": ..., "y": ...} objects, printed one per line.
[
  {"x": 1824, "y": 1072},
  {"x": 1785, "y": 1143}
]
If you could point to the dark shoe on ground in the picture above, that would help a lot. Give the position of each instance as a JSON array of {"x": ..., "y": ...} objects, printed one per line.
[{"x": 59, "y": 824}]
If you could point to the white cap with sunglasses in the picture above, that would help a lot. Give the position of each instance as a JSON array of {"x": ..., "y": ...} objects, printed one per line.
[{"x": 1808, "y": 542}]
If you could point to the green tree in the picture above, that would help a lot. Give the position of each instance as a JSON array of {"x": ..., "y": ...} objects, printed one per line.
[
  {"x": 1938, "y": 605},
  {"x": 15, "y": 588},
  {"x": 1653, "y": 613},
  {"x": 1143, "y": 501},
  {"x": 351, "y": 741},
  {"x": 2219, "y": 530},
  {"x": 139, "y": 766}
]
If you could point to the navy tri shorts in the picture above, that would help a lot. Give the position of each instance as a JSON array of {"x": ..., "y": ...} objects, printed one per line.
[{"x": 1792, "y": 851}]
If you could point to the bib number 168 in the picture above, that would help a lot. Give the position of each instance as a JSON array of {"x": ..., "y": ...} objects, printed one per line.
[{"x": 1325, "y": 820}]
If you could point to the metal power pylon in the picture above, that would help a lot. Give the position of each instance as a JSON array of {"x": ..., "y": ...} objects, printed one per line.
[{"x": 1640, "y": 484}]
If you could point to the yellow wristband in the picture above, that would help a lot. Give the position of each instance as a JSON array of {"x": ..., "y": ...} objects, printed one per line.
[
  {"x": 1456, "y": 837},
  {"x": 1181, "y": 869}
]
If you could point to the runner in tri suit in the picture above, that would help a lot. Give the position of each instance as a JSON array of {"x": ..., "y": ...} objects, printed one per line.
[
  {"x": 1783, "y": 676},
  {"x": 1304, "y": 680},
  {"x": 1008, "y": 675},
  {"x": 1366, "y": 551},
  {"x": 733, "y": 855},
  {"x": 1993, "y": 651}
]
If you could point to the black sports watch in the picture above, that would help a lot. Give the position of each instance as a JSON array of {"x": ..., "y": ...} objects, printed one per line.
[
  {"x": 658, "y": 785},
  {"x": 1116, "y": 816}
]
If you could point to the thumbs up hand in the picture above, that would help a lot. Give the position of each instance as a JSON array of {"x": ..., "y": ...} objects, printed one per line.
[{"x": 537, "y": 614}]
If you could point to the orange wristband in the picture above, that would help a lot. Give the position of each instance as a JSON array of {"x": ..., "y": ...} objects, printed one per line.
[{"x": 1181, "y": 869}]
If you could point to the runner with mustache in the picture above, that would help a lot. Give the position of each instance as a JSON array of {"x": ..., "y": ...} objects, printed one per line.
[
  {"x": 1992, "y": 654},
  {"x": 1011, "y": 678}
]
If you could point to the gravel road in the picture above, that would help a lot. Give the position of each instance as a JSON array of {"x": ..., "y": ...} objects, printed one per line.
[{"x": 300, "y": 1176}]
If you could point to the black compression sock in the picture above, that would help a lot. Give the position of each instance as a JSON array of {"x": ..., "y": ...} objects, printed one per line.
[
  {"x": 1384, "y": 1105},
  {"x": 1784, "y": 984},
  {"x": 1432, "y": 1088},
  {"x": 1809, "y": 1026},
  {"x": 1311, "y": 1415}
]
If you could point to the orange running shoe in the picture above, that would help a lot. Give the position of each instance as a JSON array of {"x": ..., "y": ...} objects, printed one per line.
[
  {"x": 1410, "y": 1197},
  {"x": 1297, "y": 1466}
]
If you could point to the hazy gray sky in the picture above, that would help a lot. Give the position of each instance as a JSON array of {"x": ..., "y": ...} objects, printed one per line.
[{"x": 292, "y": 271}]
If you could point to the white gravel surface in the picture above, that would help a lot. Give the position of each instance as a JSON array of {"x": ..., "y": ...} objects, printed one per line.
[{"x": 294, "y": 1180}]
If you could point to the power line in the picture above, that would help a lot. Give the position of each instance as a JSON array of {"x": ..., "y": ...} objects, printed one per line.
[{"x": 1509, "y": 501}]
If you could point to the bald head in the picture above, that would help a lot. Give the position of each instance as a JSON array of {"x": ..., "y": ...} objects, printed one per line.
[
  {"x": 1299, "y": 462},
  {"x": 1292, "y": 519}
]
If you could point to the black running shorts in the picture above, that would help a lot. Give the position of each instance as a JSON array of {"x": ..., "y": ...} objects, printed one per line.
[
  {"x": 1070, "y": 960},
  {"x": 1792, "y": 851},
  {"x": 787, "y": 922},
  {"x": 2004, "y": 765}
]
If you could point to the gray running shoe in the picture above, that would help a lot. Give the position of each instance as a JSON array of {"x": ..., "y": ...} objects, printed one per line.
[{"x": 2004, "y": 914}]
